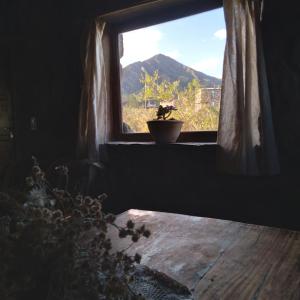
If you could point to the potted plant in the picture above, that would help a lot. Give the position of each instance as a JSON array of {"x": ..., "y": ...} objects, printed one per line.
[{"x": 164, "y": 129}]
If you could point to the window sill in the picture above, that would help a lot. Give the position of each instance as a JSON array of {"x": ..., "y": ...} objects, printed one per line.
[
  {"x": 172, "y": 145},
  {"x": 192, "y": 137}
]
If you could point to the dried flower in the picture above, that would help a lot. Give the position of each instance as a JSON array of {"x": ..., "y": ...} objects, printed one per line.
[
  {"x": 37, "y": 197},
  {"x": 137, "y": 258},
  {"x": 135, "y": 238},
  {"x": 54, "y": 229},
  {"x": 88, "y": 201},
  {"x": 29, "y": 181},
  {"x": 130, "y": 224},
  {"x": 110, "y": 218},
  {"x": 147, "y": 233},
  {"x": 77, "y": 213},
  {"x": 141, "y": 229},
  {"x": 46, "y": 213},
  {"x": 36, "y": 169},
  {"x": 63, "y": 170},
  {"x": 57, "y": 214},
  {"x": 78, "y": 200},
  {"x": 122, "y": 233},
  {"x": 102, "y": 197}
]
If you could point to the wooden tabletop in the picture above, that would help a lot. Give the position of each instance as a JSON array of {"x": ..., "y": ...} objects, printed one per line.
[{"x": 218, "y": 259}]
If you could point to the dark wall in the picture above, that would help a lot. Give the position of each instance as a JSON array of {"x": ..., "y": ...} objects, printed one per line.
[
  {"x": 183, "y": 179},
  {"x": 281, "y": 36},
  {"x": 42, "y": 43},
  {"x": 42, "y": 39}
]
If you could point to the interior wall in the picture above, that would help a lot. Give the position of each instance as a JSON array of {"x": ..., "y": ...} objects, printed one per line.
[
  {"x": 43, "y": 38},
  {"x": 43, "y": 41},
  {"x": 183, "y": 179},
  {"x": 281, "y": 37}
]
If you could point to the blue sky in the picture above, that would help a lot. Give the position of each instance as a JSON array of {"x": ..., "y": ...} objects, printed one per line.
[{"x": 197, "y": 41}]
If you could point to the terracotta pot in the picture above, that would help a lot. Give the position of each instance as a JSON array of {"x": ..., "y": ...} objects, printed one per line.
[{"x": 165, "y": 131}]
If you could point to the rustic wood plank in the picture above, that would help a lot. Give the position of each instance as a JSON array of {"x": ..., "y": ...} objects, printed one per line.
[
  {"x": 256, "y": 266},
  {"x": 219, "y": 259}
]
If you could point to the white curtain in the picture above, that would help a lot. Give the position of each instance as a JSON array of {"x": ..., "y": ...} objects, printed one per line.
[
  {"x": 245, "y": 136},
  {"x": 94, "y": 115}
]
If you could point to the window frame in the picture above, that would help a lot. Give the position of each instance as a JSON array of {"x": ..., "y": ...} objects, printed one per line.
[{"x": 139, "y": 17}]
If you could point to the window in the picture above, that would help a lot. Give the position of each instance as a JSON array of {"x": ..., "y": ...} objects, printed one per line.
[{"x": 169, "y": 60}]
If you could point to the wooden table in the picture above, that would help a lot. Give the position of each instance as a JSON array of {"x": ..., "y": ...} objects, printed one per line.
[{"x": 218, "y": 259}]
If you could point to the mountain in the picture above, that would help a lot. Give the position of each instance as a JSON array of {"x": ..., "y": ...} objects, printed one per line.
[{"x": 168, "y": 69}]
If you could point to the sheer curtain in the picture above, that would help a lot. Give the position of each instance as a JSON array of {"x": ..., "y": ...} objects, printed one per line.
[
  {"x": 94, "y": 115},
  {"x": 245, "y": 136}
]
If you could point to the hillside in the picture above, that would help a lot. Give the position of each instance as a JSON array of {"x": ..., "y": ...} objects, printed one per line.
[{"x": 168, "y": 69}]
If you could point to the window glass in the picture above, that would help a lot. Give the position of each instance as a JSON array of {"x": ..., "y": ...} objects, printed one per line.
[{"x": 173, "y": 63}]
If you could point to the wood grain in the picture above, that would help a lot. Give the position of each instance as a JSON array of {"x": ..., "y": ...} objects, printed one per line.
[{"x": 219, "y": 259}]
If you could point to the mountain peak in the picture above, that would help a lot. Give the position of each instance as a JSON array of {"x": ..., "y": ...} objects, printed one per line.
[
  {"x": 159, "y": 55},
  {"x": 168, "y": 69}
]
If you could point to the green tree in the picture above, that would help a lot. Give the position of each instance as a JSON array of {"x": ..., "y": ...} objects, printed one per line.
[
  {"x": 150, "y": 83},
  {"x": 154, "y": 89},
  {"x": 192, "y": 89}
]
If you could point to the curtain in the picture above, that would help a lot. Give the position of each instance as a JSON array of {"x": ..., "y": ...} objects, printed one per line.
[
  {"x": 94, "y": 114},
  {"x": 245, "y": 135}
]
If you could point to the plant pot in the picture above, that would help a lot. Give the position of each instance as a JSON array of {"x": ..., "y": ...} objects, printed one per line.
[{"x": 165, "y": 131}]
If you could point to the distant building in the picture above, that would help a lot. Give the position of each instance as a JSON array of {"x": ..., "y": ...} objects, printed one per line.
[
  {"x": 208, "y": 96},
  {"x": 170, "y": 102},
  {"x": 152, "y": 103}
]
